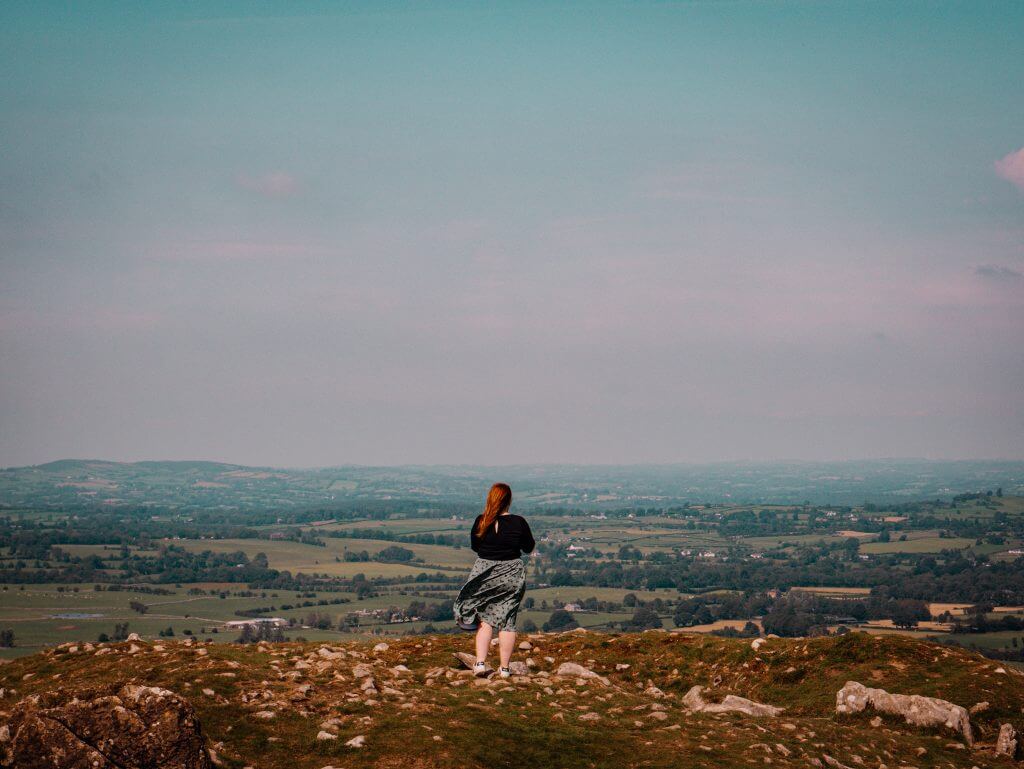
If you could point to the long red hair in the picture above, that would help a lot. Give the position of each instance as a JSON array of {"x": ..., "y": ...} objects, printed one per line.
[{"x": 499, "y": 499}]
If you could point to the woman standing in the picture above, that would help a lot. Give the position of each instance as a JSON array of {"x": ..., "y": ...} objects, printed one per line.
[{"x": 490, "y": 598}]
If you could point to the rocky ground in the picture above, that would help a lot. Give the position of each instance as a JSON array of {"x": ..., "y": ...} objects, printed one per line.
[{"x": 577, "y": 699}]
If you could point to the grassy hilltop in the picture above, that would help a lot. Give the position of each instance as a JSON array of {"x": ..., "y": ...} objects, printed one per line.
[{"x": 264, "y": 706}]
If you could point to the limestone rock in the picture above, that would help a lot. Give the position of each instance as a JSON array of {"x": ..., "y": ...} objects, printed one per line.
[
  {"x": 731, "y": 704},
  {"x": 131, "y": 727},
  {"x": 916, "y": 710},
  {"x": 578, "y": 671},
  {"x": 469, "y": 661},
  {"x": 1006, "y": 743}
]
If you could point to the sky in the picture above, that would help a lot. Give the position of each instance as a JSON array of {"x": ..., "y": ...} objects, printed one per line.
[{"x": 313, "y": 234}]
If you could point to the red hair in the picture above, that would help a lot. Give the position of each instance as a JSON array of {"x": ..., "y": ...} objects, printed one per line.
[{"x": 499, "y": 499}]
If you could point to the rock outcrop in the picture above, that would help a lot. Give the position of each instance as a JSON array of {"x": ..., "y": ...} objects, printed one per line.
[
  {"x": 131, "y": 727},
  {"x": 916, "y": 710},
  {"x": 693, "y": 701}
]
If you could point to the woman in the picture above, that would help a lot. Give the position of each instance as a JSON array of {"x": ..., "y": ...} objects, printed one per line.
[{"x": 490, "y": 598}]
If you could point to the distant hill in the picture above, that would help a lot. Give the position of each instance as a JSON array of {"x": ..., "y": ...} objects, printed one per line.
[
  {"x": 200, "y": 485},
  {"x": 577, "y": 700}
]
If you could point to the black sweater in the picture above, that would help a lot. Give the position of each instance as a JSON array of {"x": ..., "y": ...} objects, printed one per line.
[{"x": 511, "y": 540}]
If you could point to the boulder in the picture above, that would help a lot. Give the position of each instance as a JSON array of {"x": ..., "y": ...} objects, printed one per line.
[
  {"x": 361, "y": 670},
  {"x": 578, "y": 671},
  {"x": 929, "y": 712},
  {"x": 731, "y": 704},
  {"x": 1006, "y": 743},
  {"x": 127, "y": 727}
]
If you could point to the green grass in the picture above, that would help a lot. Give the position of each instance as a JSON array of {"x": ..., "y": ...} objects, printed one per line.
[
  {"x": 308, "y": 559},
  {"x": 925, "y": 544}
]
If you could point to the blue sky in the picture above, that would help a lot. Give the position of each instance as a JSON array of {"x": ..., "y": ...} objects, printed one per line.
[{"x": 311, "y": 234}]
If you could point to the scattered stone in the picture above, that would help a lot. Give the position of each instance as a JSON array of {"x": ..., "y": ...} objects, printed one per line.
[
  {"x": 323, "y": 736},
  {"x": 468, "y": 661},
  {"x": 381, "y": 647},
  {"x": 1007, "y": 742},
  {"x": 915, "y": 709},
  {"x": 833, "y": 762},
  {"x": 357, "y": 742},
  {"x": 731, "y": 704},
  {"x": 578, "y": 671}
]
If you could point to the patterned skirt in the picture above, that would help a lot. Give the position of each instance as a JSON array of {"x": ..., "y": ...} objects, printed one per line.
[{"x": 492, "y": 593}]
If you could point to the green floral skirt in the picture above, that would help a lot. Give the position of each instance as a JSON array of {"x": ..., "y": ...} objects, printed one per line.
[{"x": 492, "y": 593}]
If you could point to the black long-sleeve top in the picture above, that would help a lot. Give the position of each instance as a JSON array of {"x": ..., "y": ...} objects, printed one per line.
[{"x": 512, "y": 538}]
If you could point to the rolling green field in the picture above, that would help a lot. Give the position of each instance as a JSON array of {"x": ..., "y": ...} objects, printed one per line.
[
  {"x": 40, "y": 614},
  {"x": 925, "y": 544},
  {"x": 299, "y": 557}
]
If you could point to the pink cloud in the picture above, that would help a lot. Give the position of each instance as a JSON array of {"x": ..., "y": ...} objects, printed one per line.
[
  {"x": 279, "y": 184},
  {"x": 1011, "y": 168}
]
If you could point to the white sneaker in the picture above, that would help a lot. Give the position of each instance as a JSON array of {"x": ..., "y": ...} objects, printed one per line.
[
  {"x": 504, "y": 672},
  {"x": 480, "y": 669}
]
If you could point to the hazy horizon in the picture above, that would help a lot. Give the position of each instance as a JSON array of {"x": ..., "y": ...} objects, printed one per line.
[
  {"x": 318, "y": 234},
  {"x": 741, "y": 462}
]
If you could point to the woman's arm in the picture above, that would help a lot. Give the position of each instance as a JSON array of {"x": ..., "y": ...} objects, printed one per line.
[
  {"x": 474, "y": 540},
  {"x": 526, "y": 543}
]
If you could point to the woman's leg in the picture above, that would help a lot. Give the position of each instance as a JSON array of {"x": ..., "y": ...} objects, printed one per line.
[
  {"x": 506, "y": 643},
  {"x": 483, "y": 641}
]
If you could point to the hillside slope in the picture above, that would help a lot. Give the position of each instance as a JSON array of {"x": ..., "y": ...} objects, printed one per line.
[{"x": 297, "y": 705}]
